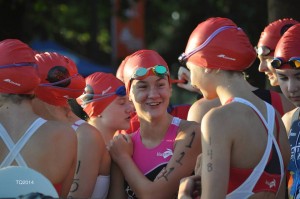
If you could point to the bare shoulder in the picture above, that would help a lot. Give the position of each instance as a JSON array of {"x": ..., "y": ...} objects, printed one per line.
[
  {"x": 58, "y": 131},
  {"x": 223, "y": 118},
  {"x": 201, "y": 107}
]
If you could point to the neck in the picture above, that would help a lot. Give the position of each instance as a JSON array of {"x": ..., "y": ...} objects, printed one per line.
[
  {"x": 155, "y": 129},
  {"x": 234, "y": 86},
  {"x": 106, "y": 132}
]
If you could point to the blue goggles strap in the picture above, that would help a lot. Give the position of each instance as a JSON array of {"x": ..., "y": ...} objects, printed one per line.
[
  {"x": 120, "y": 91},
  {"x": 19, "y": 65}
]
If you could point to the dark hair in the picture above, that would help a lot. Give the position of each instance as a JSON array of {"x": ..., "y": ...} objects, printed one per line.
[{"x": 77, "y": 109}]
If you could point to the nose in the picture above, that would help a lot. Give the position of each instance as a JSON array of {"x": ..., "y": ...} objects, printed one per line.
[
  {"x": 263, "y": 66},
  {"x": 153, "y": 92}
]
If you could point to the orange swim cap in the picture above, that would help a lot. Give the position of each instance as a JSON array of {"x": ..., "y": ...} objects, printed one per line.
[
  {"x": 219, "y": 44},
  {"x": 18, "y": 69},
  {"x": 59, "y": 79}
]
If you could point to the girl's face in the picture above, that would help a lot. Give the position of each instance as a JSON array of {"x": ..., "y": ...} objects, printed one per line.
[
  {"x": 289, "y": 82},
  {"x": 202, "y": 80},
  {"x": 265, "y": 67},
  {"x": 116, "y": 115},
  {"x": 151, "y": 96}
]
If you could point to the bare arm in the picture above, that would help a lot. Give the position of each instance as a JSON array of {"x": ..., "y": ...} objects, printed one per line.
[
  {"x": 182, "y": 163},
  {"x": 91, "y": 148},
  {"x": 216, "y": 149},
  {"x": 116, "y": 187}
]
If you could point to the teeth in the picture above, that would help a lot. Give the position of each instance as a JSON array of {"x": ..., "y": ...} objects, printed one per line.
[{"x": 154, "y": 103}]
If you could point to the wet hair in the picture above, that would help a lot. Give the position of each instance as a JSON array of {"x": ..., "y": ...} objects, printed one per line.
[{"x": 17, "y": 98}]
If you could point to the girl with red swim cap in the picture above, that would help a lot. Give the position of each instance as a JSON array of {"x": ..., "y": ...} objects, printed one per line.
[
  {"x": 216, "y": 54},
  {"x": 286, "y": 63},
  {"x": 27, "y": 140},
  {"x": 60, "y": 82},
  {"x": 108, "y": 108},
  {"x": 162, "y": 141}
]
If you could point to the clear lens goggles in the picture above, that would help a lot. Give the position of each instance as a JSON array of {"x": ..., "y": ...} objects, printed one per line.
[
  {"x": 142, "y": 73},
  {"x": 263, "y": 50},
  {"x": 294, "y": 62},
  {"x": 89, "y": 97},
  {"x": 184, "y": 56}
]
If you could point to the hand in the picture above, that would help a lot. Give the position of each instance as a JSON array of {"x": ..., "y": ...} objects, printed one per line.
[
  {"x": 190, "y": 187},
  {"x": 184, "y": 74},
  {"x": 161, "y": 174},
  {"x": 120, "y": 147}
]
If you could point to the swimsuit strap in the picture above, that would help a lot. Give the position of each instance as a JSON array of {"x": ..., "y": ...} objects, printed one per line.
[
  {"x": 22, "y": 141},
  {"x": 77, "y": 124},
  {"x": 10, "y": 144},
  {"x": 251, "y": 181}
]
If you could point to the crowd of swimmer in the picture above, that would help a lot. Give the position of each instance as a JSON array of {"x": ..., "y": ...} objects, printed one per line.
[{"x": 118, "y": 136}]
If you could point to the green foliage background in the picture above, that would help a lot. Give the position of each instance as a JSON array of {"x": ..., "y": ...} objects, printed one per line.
[{"x": 85, "y": 26}]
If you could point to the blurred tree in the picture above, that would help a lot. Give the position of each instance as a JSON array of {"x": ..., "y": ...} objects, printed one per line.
[{"x": 85, "y": 26}]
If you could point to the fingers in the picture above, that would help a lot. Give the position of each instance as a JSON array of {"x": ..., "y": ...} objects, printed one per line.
[{"x": 161, "y": 174}]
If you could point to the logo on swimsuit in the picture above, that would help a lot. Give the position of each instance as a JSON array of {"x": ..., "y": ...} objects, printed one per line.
[
  {"x": 271, "y": 184},
  {"x": 165, "y": 154}
]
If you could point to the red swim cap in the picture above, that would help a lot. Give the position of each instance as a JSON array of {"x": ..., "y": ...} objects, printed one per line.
[
  {"x": 18, "y": 70},
  {"x": 101, "y": 89},
  {"x": 273, "y": 32},
  {"x": 141, "y": 58},
  {"x": 288, "y": 45},
  {"x": 59, "y": 79},
  {"x": 221, "y": 45}
]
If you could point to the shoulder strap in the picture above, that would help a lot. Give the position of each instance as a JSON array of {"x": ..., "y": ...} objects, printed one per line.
[
  {"x": 23, "y": 140},
  {"x": 10, "y": 144},
  {"x": 77, "y": 124},
  {"x": 270, "y": 125}
]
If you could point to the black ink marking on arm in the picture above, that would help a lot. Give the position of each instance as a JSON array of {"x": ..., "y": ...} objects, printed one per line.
[
  {"x": 75, "y": 185},
  {"x": 180, "y": 158},
  {"x": 168, "y": 173},
  {"x": 210, "y": 153},
  {"x": 192, "y": 140},
  {"x": 78, "y": 166},
  {"x": 209, "y": 167}
]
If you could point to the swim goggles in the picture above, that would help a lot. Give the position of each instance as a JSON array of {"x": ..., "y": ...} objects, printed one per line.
[
  {"x": 141, "y": 73},
  {"x": 263, "y": 50},
  {"x": 294, "y": 62},
  {"x": 19, "y": 65},
  {"x": 90, "y": 97},
  {"x": 184, "y": 56}
]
